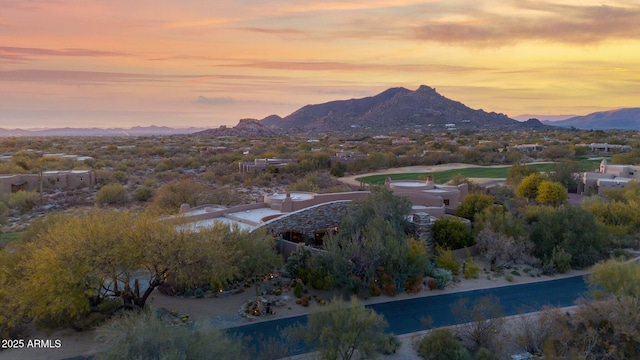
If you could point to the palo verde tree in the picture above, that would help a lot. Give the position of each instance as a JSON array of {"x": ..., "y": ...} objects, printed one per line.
[
  {"x": 551, "y": 193},
  {"x": 473, "y": 204},
  {"x": 77, "y": 263},
  {"x": 346, "y": 332},
  {"x": 528, "y": 187}
]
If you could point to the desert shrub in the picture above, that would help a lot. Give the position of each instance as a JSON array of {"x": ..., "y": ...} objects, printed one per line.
[
  {"x": 482, "y": 322},
  {"x": 111, "y": 194},
  {"x": 451, "y": 233},
  {"x": 442, "y": 344},
  {"x": 325, "y": 282},
  {"x": 561, "y": 260},
  {"x": 446, "y": 261},
  {"x": 389, "y": 345},
  {"x": 316, "y": 273},
  {"x": 305, "y": 300},
  {"x": 442, "y": 276},
  {"x": 4, "y": 210},
  {"x": 143, "y": 193},
  {"x": 485, "y": 354},
  {"x": 298, "y": 290},
  {"x": 389, "y": 287},
  {"x": 23, "y": 200},
  {"x": 413, "y": 285},
  {"x": 431, "y": 283},
  {"x": 298, "y": 260},
  {"x": 145, "y": 336},
  {"x": 470, "y": 270},
  {"x": 374, "y": 289},
  {"x": 198, "y": 293},
  {"x": 548, "y": 267}
]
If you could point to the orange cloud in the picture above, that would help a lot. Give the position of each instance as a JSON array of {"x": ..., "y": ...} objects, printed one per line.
[{"x": 580, "y": 25}]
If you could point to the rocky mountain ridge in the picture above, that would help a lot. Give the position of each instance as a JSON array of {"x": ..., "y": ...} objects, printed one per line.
[
  {"x": 246, "y": 128},
  {"x": 394, "y": 108}
]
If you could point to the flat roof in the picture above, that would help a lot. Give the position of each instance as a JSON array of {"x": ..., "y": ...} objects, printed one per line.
[
  {"x": 255, "y": 215},
  {"x": 422, "y": 207},
  {"x": 294, "y": 196},
  {"x": 197, "y": 225},
  {"x": 205, "y": 210},
  {"x": 616, "y": 180},
  {"x": 408, "y": 183}
]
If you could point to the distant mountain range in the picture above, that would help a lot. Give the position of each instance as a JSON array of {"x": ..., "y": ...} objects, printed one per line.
[
  {"x": 394, "y": 109},
  {"x": 623, "y": 119},
  {"x": 133, "y": 131},
  {"x": 543, "y": 118}
]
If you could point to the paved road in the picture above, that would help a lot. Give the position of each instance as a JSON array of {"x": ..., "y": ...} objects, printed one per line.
[{"x": 404, "y": 315}]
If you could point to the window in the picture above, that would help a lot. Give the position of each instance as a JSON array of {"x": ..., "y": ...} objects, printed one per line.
[{"x": 446, "y": 202}]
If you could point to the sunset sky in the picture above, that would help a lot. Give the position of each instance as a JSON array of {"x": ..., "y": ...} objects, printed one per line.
[{"x": 122, "y": 63}]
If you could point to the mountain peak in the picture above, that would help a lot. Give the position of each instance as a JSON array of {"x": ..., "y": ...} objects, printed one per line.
[
  {"x": 425, "y": 88},
  {"x": 393, "y": 109}
]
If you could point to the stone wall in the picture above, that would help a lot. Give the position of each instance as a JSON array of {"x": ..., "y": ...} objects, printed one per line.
[
  {"x": 321, "y": 217},
  {"x": 327, "y": 216},
  {"x": 423, "y": 231}
]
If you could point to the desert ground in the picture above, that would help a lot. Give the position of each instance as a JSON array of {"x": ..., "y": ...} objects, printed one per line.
[{"x": 225, "y": 310}]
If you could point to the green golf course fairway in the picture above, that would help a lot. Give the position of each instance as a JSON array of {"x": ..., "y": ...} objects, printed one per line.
[{"x": 442, "y": 177}]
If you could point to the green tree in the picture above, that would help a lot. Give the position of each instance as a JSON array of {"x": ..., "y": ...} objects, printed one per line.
[
  {"x": 373, "y": 234},
  {"x": 616, "y": 277},
  {"x": 451, "y": 233},
  {"x": 528, "y": 187},
  {"x": 340, "y": 332},
  {"x": 621, "y": 218},
  {"x": 573, "y": 229},
  {"x": 557, "y": 152},
  {"x": 473, "y": 204},
  {"x": 442, "y": 344},
  {"x": 111, "y": 194},
  {"x": 517, "y": 172},
  {"x": 170, "y": 197},
  {"x": 499, "y": 220},
  {"x": 567, "y": 173},
  {"x": 338, "y": 169},
  {"x": 551, "y": 193}
]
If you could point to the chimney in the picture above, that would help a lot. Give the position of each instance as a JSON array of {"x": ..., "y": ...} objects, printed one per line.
[{"x": 429, "y": 183}]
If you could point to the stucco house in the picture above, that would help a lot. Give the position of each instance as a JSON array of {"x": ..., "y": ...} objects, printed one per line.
[
  {"x": 608, "y": 177},
  {"x": 63, "y": 180}
]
